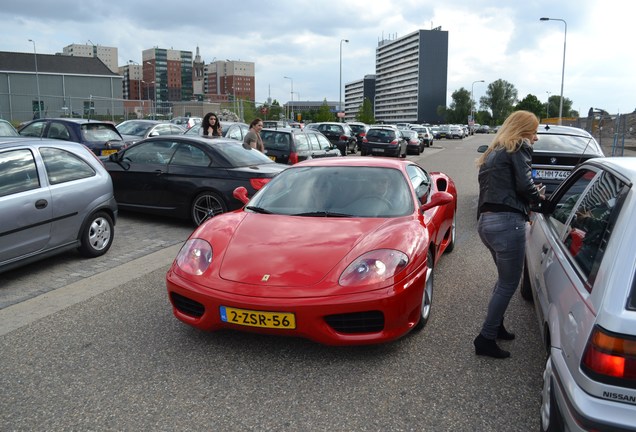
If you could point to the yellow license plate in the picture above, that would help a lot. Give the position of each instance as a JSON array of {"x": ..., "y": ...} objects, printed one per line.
[
  {"x": 272, "y": 158},
  {"x": 252, "y": 318},
  {"x": 107, "y": 152}
]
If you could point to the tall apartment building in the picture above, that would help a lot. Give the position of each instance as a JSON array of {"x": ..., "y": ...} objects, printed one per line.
[
  {"x": 230, "y": 80},
  {"x": 108, "y": 55},
  {"x": 168, "y": 74},
  {"x": 355, "y": 94},
  {"x": 411, "y": 77}
]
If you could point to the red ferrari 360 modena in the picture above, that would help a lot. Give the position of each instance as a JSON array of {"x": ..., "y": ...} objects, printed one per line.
[{"x": 337, "y": 250}]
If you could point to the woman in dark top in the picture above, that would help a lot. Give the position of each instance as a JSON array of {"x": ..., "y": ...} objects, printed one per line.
[
  {"x": 506, "y": 190},
  {"x": 210, "y": 125}
]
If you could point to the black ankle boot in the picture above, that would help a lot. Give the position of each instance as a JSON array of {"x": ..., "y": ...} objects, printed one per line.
[
  {"x": 504, "y": 334},
  {"x": 488, "y": 347}
]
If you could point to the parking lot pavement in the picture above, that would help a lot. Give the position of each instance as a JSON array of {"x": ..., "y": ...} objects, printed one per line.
[{"x": 136, "y": 236}]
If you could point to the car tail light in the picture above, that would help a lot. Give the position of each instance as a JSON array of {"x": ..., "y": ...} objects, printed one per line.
[
  {"x": 610, "y": 358},
  {"x": 362, "y": 134},
  {"x": 343, "y": 138},
  {"x": 293, "y": 158},
  {"x": 258, "y": 183},
  {"x": 365, "y": 140},
  {"x": 394, "y": 142}
]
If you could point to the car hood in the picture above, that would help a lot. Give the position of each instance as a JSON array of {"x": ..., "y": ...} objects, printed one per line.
[{"x": 278, "y": 251}]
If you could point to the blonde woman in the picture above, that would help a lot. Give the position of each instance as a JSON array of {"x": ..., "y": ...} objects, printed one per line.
[{"x": 506, "y": 190}]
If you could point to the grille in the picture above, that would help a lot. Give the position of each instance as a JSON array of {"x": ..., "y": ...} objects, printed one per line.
[
  {"x": 358, "y": 322},
  {"x": 186, "y": 305}
]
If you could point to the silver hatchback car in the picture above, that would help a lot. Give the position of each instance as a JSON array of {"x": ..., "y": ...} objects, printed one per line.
[
  {"x": 54, "y": 195},
  {"x": 581, "y": 274}
]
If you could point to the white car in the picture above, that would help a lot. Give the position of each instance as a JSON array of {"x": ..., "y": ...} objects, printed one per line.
[{"x": 581, "y": 274}]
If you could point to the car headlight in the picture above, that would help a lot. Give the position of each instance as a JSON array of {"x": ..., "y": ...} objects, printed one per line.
[
  {"x": 373, "y": 267},
  {"x": 195, "y": 256}
]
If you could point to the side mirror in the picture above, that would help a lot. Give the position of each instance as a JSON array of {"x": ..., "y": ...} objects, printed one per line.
[
  {"x": 482, "y": 148},
  {"x": 240, "y": 193},
  {"x": 113, "y": 157},
  {"x": 437, "y": 199}
]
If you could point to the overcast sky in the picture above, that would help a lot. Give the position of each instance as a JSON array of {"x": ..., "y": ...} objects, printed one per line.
[{"x": 300, "y": 39}]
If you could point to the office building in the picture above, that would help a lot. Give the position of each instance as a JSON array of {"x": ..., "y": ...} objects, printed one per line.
[
  {"x": 355, "y": 94},
  {"x": 108, "y": 55},
  {"x": 230, "y": 80},
  {"x": 411, "y": 77}
]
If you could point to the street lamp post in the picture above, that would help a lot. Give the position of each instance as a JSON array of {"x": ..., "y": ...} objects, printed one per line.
[
  {"x": 472, "y": 102},
  {"x": 565, "y": 37},
  {"x": 291, "y": 106},
  {"x": 547, "y": 106},
  {"x": 340, "y": 86},
  {"x": 138, "y": 85},
  {"x": 37, "y": 78},
  {"x": 154, "y": 98},
  {"x": 148, "y": 93}
]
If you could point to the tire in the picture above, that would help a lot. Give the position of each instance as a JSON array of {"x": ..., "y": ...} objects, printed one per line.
[
  {"x": 526, "y": 289},
  {"x": 97, "y": 235},
  {"x": 206, "y": 205},
  {"x": 451, "y": 244},
  {"x": 551, "y": 420},
  {"x": 427, "y": 296}
]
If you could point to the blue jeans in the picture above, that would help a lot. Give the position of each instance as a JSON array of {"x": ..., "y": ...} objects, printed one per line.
[{"x": 504, "y": 234}]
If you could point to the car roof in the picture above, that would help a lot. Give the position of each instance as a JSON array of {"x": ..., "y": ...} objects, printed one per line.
[
  {"x": 562, "y": 130},
  {"x": 72, "y": 120},
  {"x": 356, "y": 161},
  {"x": 624, "y": 165},
  {"x": 8, "y": 142}
]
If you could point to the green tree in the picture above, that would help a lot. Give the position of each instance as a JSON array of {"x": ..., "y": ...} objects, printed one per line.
[
  {"x": 500, "y": 98},
  {"x": 553, "y": 105},
  {"x": 365, "y": 114},
  {"x": 324, "y": 113},
  {"x": 532, "y": 104},
  {"x": 459, "y": 109}
]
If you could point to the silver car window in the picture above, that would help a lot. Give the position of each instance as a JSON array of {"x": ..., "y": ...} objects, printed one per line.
[
  {"x": 18, "y": 172},
  {"x": 588, "y": 232},
  {"x": 62, "y": 166}
]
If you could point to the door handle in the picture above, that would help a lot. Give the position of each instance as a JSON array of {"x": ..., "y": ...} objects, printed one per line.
[{"x": 41, "y": 203}]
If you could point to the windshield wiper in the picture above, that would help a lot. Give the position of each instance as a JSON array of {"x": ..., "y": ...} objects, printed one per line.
[
  {"x": 258, "y": 210},
  {"x": 323, "y": 214}
]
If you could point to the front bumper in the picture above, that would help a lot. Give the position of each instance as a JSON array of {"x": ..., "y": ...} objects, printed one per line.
[{"x": 399, "y": 304}]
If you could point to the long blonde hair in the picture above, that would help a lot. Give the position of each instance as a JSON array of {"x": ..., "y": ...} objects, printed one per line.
[{"x": 516, "y": 128}]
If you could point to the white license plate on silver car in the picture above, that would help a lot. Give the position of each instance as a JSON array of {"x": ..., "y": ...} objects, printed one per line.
[{"x": 550, "y": 174}]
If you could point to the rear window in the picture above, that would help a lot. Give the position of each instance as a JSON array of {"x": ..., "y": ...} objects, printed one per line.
[
  {"x": 95, "y": 132},
  {"x": 276, "y": 140},
  {"x": 566, "y": 144},
  {"x": 357, "y": 128},
  {"x": 382, "y": 135}
]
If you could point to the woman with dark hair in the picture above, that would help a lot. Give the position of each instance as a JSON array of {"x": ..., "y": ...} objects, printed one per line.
[
  {"x": 211, "y": 126},
  {"x": 253, "y": 137},
  {"x": 506, "y": 191}
]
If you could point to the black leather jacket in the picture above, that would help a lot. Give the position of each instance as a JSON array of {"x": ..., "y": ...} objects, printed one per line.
[{"x": 506, "y": 179}]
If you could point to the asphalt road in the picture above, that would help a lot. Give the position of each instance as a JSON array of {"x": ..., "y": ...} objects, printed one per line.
[{"x": 101, "y": 350}]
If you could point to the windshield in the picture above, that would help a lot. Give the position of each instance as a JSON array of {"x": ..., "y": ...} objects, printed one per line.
[
  {"x": 320, "y": 192},
  {"x": 133, "y": 128}
]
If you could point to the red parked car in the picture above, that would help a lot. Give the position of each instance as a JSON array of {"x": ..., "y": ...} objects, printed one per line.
[{"x": 337, "y": 250}]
